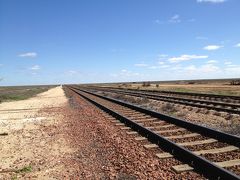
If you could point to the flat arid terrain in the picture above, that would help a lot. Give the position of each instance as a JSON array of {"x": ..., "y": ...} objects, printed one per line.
[
  {"x": 28, "y": 138},
  {"x": 58, "y": 134},
  {"x": 220, "y": 87},
  {"x": 12, "y": 93},
  {"x": 51, "y": 136}
]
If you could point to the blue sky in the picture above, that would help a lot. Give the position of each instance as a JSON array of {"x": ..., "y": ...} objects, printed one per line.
[{"x": 86, "y": 41}]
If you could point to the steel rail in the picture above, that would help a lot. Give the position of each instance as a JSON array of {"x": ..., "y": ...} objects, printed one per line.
[
  {"x": 225, "y": 137},
  {"x": 177, "y": 98},
  {"x": 184, "y": 101},
  {"x": 180, "y": 93},
  {"x": 199, "y": 163}
]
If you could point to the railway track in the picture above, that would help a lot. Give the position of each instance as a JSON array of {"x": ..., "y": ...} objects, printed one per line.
[
  {"x": 215, "y": 97},
  {"x": 212, "y": 153},
  {"x": 233, "y": 108}
]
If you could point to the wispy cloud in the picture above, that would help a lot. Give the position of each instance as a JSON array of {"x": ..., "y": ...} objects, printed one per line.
[
  {"x": 175, "y": 19},
  {"x": 237, "y": 45},
  {"x": 190, "y": 69},
  {"x": 128, "y": 73},
  {"x": 141, "y": 65},
  {"x": 1, "y": 78},
  {"x": 186, "y": 57},
  {"x": 164, "y": 66},
  {"x": 158, "y": 66},
  {"x": 177, "y": 67},
  {"x": 73, "y": 73},
  {"x": 153, "y": 67},
  {"x": 125, "y": 73},
  {"x": 211, "y": 1},
  {"x": 35, "y": 68},
  {"x": 207, "y": 68},
  {"x": 231, "y": 68},
  {"x": 28, "y": 54},
  {"x": 227, "y": 62},
  {"x": 162, "y": 56},
  {"x": 212, "y": 47},
  {"x": 211, "y": 61},
  {"x": 234, "y": 69}
]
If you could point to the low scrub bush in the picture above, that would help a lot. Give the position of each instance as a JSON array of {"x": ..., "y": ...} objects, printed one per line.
[{"x": 168, "y": 107}]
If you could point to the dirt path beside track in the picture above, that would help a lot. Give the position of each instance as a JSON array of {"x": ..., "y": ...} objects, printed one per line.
[{"x": 31, "y": 145}]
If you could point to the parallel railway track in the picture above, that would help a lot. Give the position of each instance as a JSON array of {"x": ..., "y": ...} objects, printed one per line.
[
  {"x": 215, "y": 97},
  {"x": 213, "y": 153},
  {"x": 233, "y": 108}
]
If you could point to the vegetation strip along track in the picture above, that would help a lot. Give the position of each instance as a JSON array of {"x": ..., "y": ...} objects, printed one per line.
[
  {"x": 225, "y": 107},
  {"x": 121, "y": 111}
]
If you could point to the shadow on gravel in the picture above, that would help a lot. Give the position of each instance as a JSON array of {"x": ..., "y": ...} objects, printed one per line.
[{"x": 73, "y": 103}]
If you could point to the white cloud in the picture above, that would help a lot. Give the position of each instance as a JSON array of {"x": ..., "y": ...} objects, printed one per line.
[
  {"x": 141, "y": 65},
  {"x": 162, "y": 56},
  {"x": 35, "y": 67},
  {"x": 233, "y": 69},
  {"x": 125, "y": 74},
  {"x": 177, "y": 67},
  {"x": 227, "y": 62},
  {"x": 186, "y": 57},
  {"x": 153, "y": 67},
  {"x": 207, "y": 68},
  {"x": 71, "y": 73},
  {"x": 232, "y": 65},
  {"x": 190, "y": 69},
  {"x": 212, "y": 47},
  {"x": 211, "y": 1},
  {"x": 161, "y": 62},
  {"x": 158, "y": 67},
  {"x": 175, "y": 19},
  {"x": 237, "y": 45},
  {"x": 28, "y": 54},
  {"x": 130, "y": 73},
  {"x": 212, "y": 62},
  {"x": 164, "y": 66}
]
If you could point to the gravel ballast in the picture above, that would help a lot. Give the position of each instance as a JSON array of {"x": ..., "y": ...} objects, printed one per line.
[{"x": 105, "y": 151}]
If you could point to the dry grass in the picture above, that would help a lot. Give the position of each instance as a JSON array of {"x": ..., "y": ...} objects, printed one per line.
[
  {"x": 20, "y": 92},
  {"x": 220, "y": 87},
  {"x": 168, "y": 108}
]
